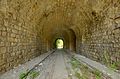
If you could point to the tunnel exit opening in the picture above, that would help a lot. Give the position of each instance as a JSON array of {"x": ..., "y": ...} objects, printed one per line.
[{"x": 59, "y": 44}]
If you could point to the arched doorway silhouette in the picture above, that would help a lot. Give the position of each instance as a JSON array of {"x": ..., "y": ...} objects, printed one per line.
[{"x": 59, "y": 43}]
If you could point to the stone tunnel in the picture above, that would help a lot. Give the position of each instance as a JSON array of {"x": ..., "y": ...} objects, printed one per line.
[{"x": 30, "y": 28}]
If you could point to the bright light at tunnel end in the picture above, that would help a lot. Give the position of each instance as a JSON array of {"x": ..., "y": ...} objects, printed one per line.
[{"x": 59, "y": 44}]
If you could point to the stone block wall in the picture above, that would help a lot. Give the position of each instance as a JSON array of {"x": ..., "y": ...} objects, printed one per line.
[
  {"x": 102, "y": 44},
  {"x": 17, "y": 45},
  {"x": 18, "y": 39}
]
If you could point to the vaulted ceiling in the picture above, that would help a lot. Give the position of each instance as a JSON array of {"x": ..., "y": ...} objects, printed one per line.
[{"x": 55, "y": 18}]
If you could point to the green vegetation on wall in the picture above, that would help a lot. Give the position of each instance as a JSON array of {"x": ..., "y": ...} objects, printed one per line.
[{"x": 107, "y": 60}]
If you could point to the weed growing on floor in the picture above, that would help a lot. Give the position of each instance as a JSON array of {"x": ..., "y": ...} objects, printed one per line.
[
  {"x": 78, "y": 75},
  {"x": 32, "y": 75},
  {"x": 114, "y": 65},
  {"x": 98, "y": 74},
  {"x": 82, "y": 71},
  {"x": 75, "y": 64},
  {"x": 22, "y": 76}
]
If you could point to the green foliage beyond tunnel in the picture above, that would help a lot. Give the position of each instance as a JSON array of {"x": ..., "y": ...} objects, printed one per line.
[{"x": 59, "y": 43}]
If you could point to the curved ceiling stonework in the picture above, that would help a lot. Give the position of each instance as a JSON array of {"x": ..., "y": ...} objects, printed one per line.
[{"x": 91, "y": 27}]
